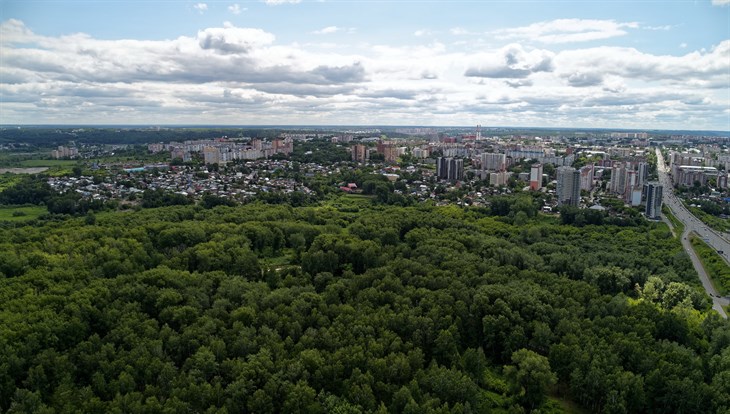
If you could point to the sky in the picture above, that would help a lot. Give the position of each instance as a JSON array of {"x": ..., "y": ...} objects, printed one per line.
[{"x": 574, "y": 64}]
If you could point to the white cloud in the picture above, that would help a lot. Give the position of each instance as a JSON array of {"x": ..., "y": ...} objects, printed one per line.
[
  {"x": 421, "y": 32},
  {"x": 567, "y": 30},
  {"x": 200, "y": 7},
  {"x": 231, "y": 39},
  {"x": 235, "y": 74},
  {"x": 683, "y": 45},
  {"x": 328, "y": 30},
  {"x": 720, "y": 2},
  {"x": 277, "y": 2},
  {"x": 510, "y": 62},
  {"x": 632, "y": 64},
  {"x": 12, "y": 30},
  {"x": 236, "y": 9},
  {"x": 333, "y": 29},
  {"x": 664, "y": 27},
  {"x": 458, "y": 31}
]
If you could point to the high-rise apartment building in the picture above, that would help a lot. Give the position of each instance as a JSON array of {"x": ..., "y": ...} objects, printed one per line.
[
  {"x": 643, "y": 170},
  {"x": 653, "y": 200},
  {"x": 536, "y": 177},
  {"x": 586, "y": 177},
  {"x": 568, "y": 189},
  {"x": 388, "y": 149},
  {"x": 451, "y": 169},
  {"x": 65, "y": 152},
  {"x": 442, "y": 167},
  {"x": 493, "y": 162},
  {"x": 456, "y": 169},
  {"x": 722, "y": 181},
  {"x": 211, "y": 155},
  {"x": 618, "y": 179},
  {"x": 359, "y": 153},
  {"x": 632, "y": 179}
]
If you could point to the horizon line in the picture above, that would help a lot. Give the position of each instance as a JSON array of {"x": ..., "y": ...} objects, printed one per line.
[{"x": 339, "y": 126}]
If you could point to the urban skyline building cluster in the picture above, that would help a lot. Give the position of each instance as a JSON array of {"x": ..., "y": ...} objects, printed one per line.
[
  {"x": 65, "y": 152},
  {"x": 628, "y": 178},
  {"x": 702, "y": 167},
  {"x": 224, "y": 150}
]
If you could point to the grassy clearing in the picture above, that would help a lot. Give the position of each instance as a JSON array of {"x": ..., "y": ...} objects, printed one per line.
[
  {"x": 58, "y": 171},
  {"x": 714, "y": 265},
  {"x": 561, "y": 404},
  {"x": 48, "y": 163},
  {"x": 55, "y": 167},
  {"x": 144, "y": 158},
  {"x": 14, "y": 159},
  {"x": 13, "y": 213},
  {"x": 350, "y": 201},
  {"x": 357, "y": 197},
  {"x": 678, "y": 226}
]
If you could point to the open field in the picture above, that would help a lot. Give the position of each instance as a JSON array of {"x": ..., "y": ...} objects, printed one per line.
[
  {"x": 13, "y": 213},
  {"x": 15, "y": 159},
  {"x": 34, "y": 165},
  {"x": 350, "y": 201},
  {"x": 48, "y": 163}
]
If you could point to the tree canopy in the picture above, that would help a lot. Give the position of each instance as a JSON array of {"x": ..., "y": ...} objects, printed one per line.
[{"x": 275, "y": 308}]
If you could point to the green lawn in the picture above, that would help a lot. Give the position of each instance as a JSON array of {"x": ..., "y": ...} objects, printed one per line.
[
  {"x": 714, "y": 265},
  {"x": 350, "y": 201},
  {"x": 21, "y": 213}
]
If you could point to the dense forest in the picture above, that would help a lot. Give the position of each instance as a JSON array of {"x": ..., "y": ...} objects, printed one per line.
[
  {"x": 353, "y": 309},
  {"x": 44, "y": 136}
]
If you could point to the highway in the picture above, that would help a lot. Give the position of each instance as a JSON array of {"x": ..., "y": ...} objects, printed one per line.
[{"x": 714, "y": 239}]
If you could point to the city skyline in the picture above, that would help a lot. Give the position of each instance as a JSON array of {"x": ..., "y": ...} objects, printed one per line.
[{"x": 530, "y": 64}]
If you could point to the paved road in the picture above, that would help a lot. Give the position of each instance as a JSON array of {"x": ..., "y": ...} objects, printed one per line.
[{"x": 714, "y": 239}]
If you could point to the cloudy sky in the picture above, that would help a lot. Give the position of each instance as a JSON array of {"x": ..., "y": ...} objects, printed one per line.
[{"x": 594, "y": 63}]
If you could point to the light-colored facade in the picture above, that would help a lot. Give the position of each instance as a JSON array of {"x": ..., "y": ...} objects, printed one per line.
[
  {"x": 493, "y": 162},
  {"x": 586, "y": 177},
  {"x": 497, "y": 179}
]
